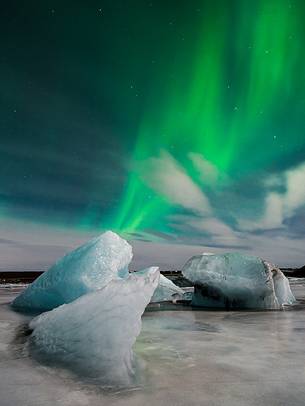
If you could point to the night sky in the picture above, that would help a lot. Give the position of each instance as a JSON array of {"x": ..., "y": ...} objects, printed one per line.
[{"x": 179, "y": 125}]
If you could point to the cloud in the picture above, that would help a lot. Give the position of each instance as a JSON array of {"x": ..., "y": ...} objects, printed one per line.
[
  {"x": 32, "y": 246},
  {"x": 272, "y": 218},
  {"x": 168, "y": 178},
  {"x": 279, "y": 206},
  {"x": 295, "y": 195},
  {"x": 219, "y": 232},
  {"x": 208, "y": 231},
  {"x": 285, "y": 194},
  {"x": 279, "y": 250},
  {"x": 208, "y": 172},
  {"x": 5, "y": 241}
]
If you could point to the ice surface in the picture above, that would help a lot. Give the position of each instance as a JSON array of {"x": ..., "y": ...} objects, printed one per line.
[
  {"x": 94, "y": 334},
  {"x": 86, "y": 269},
  {"x": 235, "y": 280},
  {"x": 166, "y": 291},
  {"x": 192, "y": 358}
]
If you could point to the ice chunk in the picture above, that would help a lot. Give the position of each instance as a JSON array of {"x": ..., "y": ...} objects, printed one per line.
[
  {"x": 235, "y": 280},
  {"x": 166, "y": 291},
  {"x": 281, "y": 285},
  {"x": 86, "y": 269},
  {"x": 94, "y": 335}
]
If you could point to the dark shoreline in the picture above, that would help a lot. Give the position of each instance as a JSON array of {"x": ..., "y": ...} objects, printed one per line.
[
  {"x": 19, "y": 277},
  {"x": 30, "y": 276}
]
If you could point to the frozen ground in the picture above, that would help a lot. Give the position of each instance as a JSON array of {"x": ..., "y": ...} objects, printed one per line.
[{"x": 192, "y": 358}]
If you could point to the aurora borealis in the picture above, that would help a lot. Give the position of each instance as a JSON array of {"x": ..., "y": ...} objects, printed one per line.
[{"x": 174, "y": 124}]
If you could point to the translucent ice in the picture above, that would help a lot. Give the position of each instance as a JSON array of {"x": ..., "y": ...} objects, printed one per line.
[
  {"x": 237, "y": 281},
  {"x": 281, "y": 285},
  {"x": 94, "y": 335},
  {"x": 86, "y": 269},
  {"x": 166, "y": 291}
]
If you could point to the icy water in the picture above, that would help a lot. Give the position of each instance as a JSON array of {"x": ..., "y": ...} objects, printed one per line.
[{"x": 191, "y": 357}]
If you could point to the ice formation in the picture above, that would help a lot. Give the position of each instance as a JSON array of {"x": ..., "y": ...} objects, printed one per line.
[
  {"x": 281, "y": 285},
  {"x": 88, "y": 268},
  {"x": 166, "y": 291},
  {"x": 235, "y": 280},
  {"x": 94, "y": 334}
]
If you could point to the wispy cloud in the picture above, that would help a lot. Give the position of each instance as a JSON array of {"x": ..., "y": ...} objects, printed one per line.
[
  {"x": 295, "y": 195},
  {"x": 209, "y": 173},
  {"x": 279, "y": 206},
  {"x": 167, "y": 177},
  {"x": 272, "y": 217}
]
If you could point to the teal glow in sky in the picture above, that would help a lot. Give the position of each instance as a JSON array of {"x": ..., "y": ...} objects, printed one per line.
[{"x": 179, "y": 124}]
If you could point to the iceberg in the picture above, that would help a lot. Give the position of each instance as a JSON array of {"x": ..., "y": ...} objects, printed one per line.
[
  {"x": 86, "y": 269},
  {"x": 235, "y": 280},
  {"x": 94, "y": 335},
  {"x": 167, "y": 291}
]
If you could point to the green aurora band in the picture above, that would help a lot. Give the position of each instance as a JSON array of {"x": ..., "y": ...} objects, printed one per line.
[{"x": 235, "y": 97}]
